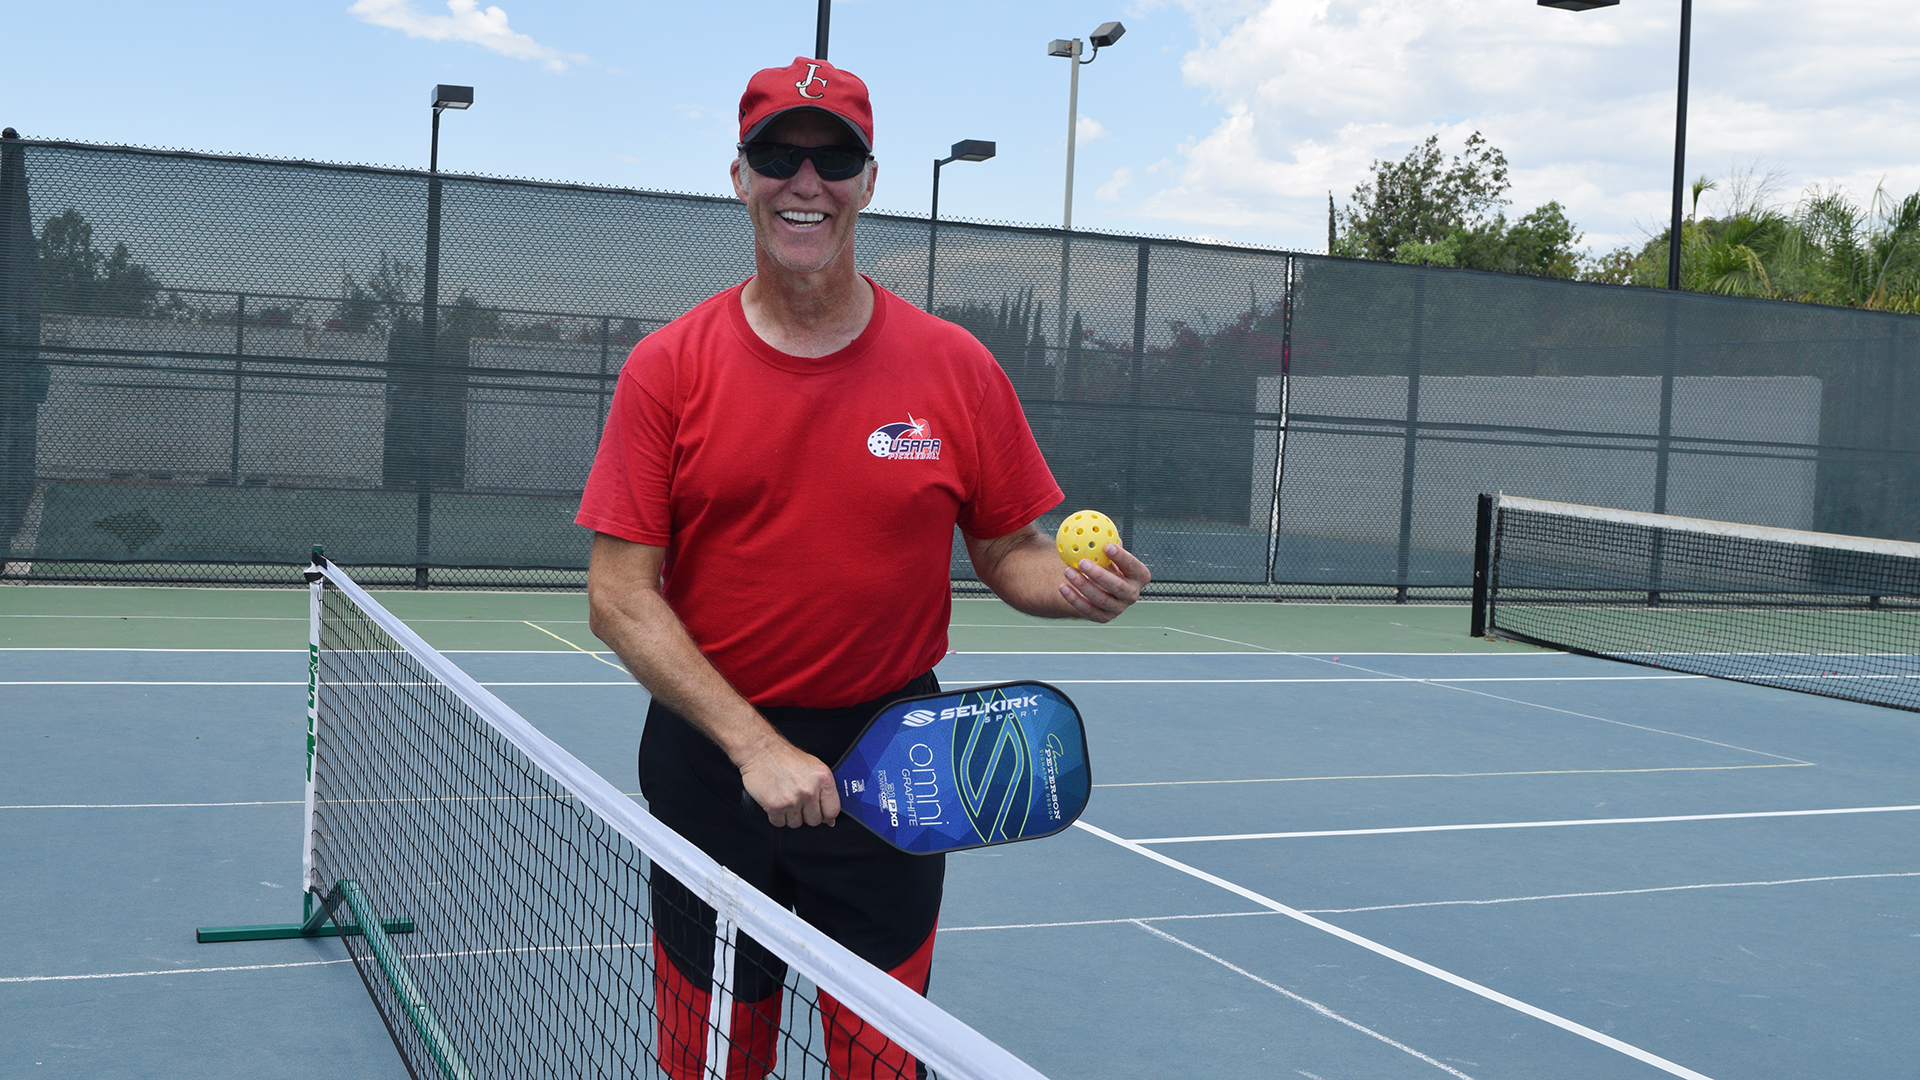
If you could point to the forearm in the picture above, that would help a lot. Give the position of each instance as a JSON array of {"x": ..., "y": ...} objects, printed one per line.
[
  {"x": 627, "y": 612},
  {"x": 1023, "y": 569}
]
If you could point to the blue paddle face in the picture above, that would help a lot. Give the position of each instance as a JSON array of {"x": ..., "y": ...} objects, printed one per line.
[{"x": 960, "y": 770}]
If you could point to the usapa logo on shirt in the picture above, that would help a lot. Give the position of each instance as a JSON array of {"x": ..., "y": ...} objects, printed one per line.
[{"x": 910, "y": 441}]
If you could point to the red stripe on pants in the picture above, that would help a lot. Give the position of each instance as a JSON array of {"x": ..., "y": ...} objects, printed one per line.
[
  {"x": 855, "y": 1051},
  {"x": 680, "y": 1013}
]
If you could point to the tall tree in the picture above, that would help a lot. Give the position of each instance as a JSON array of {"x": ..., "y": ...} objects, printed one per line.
[
  {"x": 1424, "y": 198},
  {"x": 79, "y": 278},
  {"x": 1826, "y": 250},
  {"x": 1428, "y": 210}
]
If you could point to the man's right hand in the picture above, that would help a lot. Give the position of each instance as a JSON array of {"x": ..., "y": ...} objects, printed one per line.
[{"x": 792, "y": 786}]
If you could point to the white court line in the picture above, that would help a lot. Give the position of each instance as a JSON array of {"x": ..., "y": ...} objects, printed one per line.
[
  {"x": 137, "y": 682},
  {"x": 150, "y": 805},
  {"x": 1395, "y": 955},
  {"x": 1137, "y": 627},
  {"x": 1314, "y": 1005},
  {"x": 1322, "y": 658},
  {"x": 1105, "y": 922},
  {"x": 108, "y": 648},
  {"x": 190, "y": 682},
  {"x": 259, "y": 802},
  {"x": 1402, "y": 679},
  {"x": 1262, "y": 650},
  {"x": 1525, "y": 825},
  {"x": 1434, "y": 903},
  {"x": 303, "y": 652},
  {"x": 1448, "y": 685},
  {"x": 1611, "y": 892},
  {"x": 1456, "y": 775},
  {"x": 644, "y": 946},
  {"x": 169, "y": 971},
  {"x": 275, "y": 618},
  {"x": 1561, "y": 678},
  {"x": 168, "y": 618}
]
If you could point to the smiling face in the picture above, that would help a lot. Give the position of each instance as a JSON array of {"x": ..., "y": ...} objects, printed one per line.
[{"x": 803, "y": 223}]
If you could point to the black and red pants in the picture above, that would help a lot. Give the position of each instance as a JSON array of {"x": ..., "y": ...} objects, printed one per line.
[{"x": 879, "y": 902}]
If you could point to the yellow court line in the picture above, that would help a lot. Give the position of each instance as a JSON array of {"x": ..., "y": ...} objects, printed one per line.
[
  {"x": 574, "y": 647},
  {"x": 1440, "y": 775}
]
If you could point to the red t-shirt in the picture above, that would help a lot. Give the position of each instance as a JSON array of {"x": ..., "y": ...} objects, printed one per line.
[{"x": 807, "y": 505}]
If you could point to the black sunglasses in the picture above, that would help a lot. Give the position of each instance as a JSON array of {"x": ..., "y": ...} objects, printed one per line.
[{"x": 782, "y": 160}]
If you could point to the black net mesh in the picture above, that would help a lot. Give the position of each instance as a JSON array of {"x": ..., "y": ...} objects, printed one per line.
[
  {"x": 533, "y": 929},
  {"x": 210, "y": 364},
  {"x": 1805, "y": 611}
]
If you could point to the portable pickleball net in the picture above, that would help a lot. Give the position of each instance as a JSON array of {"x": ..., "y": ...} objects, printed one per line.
[
  {"x": 499, "y": 899},
  {"x": 1817, "y": 612}
]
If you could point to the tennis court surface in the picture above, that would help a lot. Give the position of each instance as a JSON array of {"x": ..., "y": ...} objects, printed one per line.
[{"x": 1324, "y": 841}]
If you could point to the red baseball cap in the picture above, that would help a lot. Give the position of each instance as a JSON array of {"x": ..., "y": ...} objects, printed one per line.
[{"x": 806, "y": 84}]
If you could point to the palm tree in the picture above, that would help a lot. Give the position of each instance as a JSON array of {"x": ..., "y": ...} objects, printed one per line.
[{"x": 1828, "y": 250}]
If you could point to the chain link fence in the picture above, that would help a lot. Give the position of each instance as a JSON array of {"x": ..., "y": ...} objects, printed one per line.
[{"x": 210, "y": 364}]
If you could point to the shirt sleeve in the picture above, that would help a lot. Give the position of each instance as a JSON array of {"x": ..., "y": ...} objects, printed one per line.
[
  {"x": 1014, "y": 485},
  {"x": 629, "y": 492}
]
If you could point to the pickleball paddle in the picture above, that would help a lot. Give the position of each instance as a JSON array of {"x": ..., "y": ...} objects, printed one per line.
[{"x": 968, "y": 768}]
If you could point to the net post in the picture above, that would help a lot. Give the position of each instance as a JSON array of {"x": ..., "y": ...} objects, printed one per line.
[
  {"x": 1482, "y": 557},
  {"x": 315, "y": 576},
  {"x": 317, "y": 914}
]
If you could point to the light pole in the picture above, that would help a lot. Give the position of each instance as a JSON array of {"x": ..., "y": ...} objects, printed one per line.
[
  {"x": 426, "y": 462},
  {"x": 444, "y": 97},
  {"x": 964, "y": 150},
  {"x": 1679, "y": 122},
  {"x": 824, "y": 16},
  {"x": 1103, "y": 35}
]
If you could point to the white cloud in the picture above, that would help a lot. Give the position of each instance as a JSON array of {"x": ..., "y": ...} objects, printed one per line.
[
  {"x": 1111, "y": 189},
  {"x": 1310, "y": 92},
  {"x": 1088, "y": 129},
  {"x": 467, "y": 22}
]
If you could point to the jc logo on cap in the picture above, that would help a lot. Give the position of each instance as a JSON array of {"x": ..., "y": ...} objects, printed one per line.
[{"x": 813, "y": 76}]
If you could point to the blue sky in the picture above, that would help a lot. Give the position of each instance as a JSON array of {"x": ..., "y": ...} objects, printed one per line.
[{"x": 1229, "y": 119}]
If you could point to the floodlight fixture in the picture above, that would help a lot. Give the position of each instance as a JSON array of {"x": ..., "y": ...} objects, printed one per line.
[
  {"x": 1109, "y": 32},
  {"x": 964, "y": 150},
  {"x": 1060, "y": 47},
  {"x": 452, "y": 97},
  {"x": 1578, "y": 5},
  {"x": 971, "y": 150}
]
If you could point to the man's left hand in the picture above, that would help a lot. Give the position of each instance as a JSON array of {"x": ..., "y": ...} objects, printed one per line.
[{"x": 1099, "y": 594}]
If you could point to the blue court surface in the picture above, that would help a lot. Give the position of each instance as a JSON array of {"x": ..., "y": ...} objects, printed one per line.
[{"x": 1492, "y": 863}]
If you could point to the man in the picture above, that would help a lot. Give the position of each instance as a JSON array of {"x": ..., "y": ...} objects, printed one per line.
[{"x": 774, "y": 501}]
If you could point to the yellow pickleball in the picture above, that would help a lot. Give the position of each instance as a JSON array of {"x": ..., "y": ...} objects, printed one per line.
[{"x": 1085, "y": 535}]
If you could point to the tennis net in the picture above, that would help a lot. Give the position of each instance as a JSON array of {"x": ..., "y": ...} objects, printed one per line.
[
  {"x": 499, "y": 899},
  {"x": 1816, "y": 612}
]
